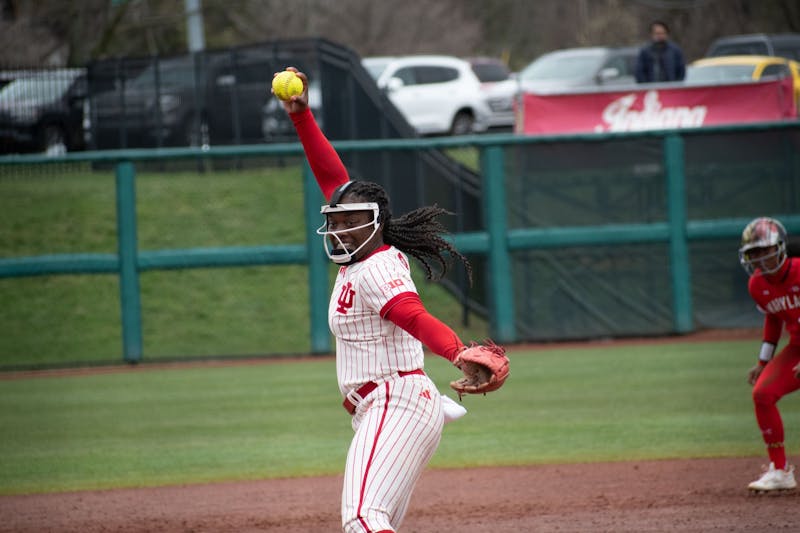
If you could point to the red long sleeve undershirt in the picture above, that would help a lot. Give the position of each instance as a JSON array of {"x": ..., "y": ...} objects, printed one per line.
[
  {"x": 409, "y": 314},
  {"x": 325, "y": 163}
]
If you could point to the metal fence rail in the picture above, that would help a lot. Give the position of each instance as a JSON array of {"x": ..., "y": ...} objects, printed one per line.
[{"x": 496, "y": 241}]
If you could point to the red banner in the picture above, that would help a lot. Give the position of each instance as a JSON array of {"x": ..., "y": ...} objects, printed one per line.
[{"x": 659, "y": 107}]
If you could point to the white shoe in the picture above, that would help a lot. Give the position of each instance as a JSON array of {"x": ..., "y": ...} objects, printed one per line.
[{"x": 775, "y": 479}]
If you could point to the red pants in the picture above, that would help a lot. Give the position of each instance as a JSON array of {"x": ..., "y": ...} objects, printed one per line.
[{"x": 776, "y": 381}]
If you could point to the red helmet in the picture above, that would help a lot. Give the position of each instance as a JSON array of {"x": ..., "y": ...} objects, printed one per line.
[{"x": 763, "y": 232}]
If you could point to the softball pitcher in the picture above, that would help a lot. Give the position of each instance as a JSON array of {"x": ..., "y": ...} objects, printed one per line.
[
  {"x": 380, "y": 325},
  {"x": 775, "y": 286}
]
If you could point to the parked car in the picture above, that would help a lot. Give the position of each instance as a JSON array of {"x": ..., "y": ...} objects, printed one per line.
[
  {"x": 436, "y": 94},
  {"x": 184, "y": 101},
  {"x": 43, "y": 112},
  {"x": 781, "y": 44},
  {"x": 499, "y": 87},
  {"x": 725, "y": 69},
  {"x": 579, "y": 68}
]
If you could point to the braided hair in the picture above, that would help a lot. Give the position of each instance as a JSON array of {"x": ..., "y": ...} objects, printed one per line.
[{"x": 417, "y": 233}]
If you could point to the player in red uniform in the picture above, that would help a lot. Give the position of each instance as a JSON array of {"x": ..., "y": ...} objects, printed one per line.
[
  {"x": 380, "y": 326},
  {"x": 775, "y": 286}
]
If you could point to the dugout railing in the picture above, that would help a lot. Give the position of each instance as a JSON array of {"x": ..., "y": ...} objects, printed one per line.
[{"x": 516, "y": 238}]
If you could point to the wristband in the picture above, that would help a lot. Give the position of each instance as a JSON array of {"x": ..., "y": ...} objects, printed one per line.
[{"x": 767, "y": 351}]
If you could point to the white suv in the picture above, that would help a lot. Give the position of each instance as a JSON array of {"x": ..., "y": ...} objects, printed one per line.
[{"x": 436, "y": 94}]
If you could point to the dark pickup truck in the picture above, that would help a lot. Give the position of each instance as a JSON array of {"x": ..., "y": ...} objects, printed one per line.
[{"x": 190, "y": 100}]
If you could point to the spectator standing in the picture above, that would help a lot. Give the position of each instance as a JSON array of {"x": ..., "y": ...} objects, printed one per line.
[{"x": 661, "y": 60}]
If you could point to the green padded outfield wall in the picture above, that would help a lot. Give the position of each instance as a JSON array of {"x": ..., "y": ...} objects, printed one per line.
[{"x": 624, "y": 290}]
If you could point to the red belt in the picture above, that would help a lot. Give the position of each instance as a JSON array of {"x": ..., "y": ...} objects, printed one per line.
[{"x": 370, "y": 386}]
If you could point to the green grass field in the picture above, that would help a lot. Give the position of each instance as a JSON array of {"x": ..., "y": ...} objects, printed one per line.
[
  {"x": 154, "y": 426},
  {"x": 148, "y": 426}
]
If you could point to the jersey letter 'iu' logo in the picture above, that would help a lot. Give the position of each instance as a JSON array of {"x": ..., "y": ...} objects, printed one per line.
[{"x": 345, "y": 300}]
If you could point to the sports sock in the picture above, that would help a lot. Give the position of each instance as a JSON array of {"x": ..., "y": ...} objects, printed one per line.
[
  {"x": 777, "y": 454},
  {"x": 769, "y": 420}
]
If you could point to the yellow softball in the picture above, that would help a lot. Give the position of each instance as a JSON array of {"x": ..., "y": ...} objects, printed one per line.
[{"x": 287, "y": 84}]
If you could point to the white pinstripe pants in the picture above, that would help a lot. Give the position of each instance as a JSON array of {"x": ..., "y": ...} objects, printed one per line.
[{"x": 397, "y": 429}]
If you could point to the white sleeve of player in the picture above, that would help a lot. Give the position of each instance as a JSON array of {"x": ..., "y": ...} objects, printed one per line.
[{"x": 385, "y": 280}]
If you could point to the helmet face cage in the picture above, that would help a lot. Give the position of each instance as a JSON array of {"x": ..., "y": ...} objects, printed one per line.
[
  {"x": 340, "y": 255},
  {"x": 762, "y": 233}
]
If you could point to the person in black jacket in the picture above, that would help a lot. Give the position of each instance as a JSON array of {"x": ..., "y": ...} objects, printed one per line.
[{"x": 661, "y": 60}]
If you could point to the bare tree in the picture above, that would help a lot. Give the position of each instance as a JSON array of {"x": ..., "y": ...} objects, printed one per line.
[
  {"x": 24, "y": 40},
  {"x": 367, "y": 26},
  {"x": 57, "y": 32},
  {"x": 73, "y": 32}
]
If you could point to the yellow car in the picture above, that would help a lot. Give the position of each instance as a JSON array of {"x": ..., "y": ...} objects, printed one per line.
[{"x": 741, "y": 68}]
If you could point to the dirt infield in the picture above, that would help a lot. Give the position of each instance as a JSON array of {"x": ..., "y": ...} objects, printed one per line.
[{"x": 689, "y": 496}]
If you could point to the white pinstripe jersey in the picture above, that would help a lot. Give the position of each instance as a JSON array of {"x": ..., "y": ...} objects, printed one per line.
[{"x": 369, "y": 347}]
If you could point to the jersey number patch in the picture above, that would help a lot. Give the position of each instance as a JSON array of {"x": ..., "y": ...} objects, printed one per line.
[{"x": 394, "y": 284}]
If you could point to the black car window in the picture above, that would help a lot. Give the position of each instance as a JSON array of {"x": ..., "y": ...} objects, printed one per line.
[
  {"x": 775, "y": 70},
  {"x": 431, "y": 74},
  {"x": 630, "y": 63},
  {"x": 734, "y": 49},
  {"x": 407, "y": 74},
  {"x": 225, "y": 69},
  {"x": 78, "y": 88},
  {"x": 618, "y": 63},
  {"x": 558, "y": 66},
  {"x": 791, "y": 52},
  {"x": 252, "y": 72},
  {"x": 171, "y": 73},
  {"x": 487, "y": 72}
]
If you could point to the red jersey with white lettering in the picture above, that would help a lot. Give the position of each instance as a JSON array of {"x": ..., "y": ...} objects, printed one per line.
[
  {"x": 369, "y": 347},
  {"x": 778, "y": 296}
]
